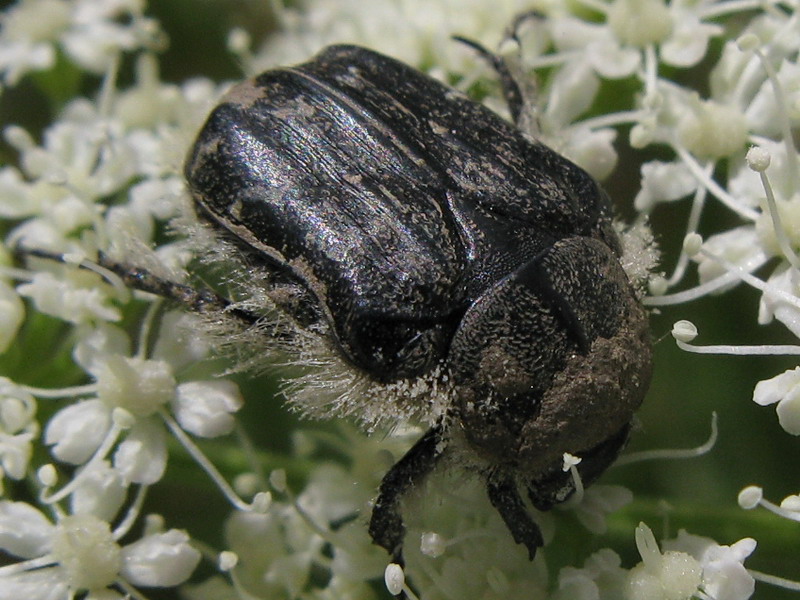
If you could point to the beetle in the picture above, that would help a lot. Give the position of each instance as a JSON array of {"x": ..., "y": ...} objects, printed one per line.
[{"x": 421, "y": 237}]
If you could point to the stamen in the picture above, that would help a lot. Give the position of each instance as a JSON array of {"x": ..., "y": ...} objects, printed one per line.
[
  {"x": 108, "y": 88},
  {"x": 239, "y": 44},
  {"x": 65, "y": 392},
  {"x": 205, "y": 464},
  {"x": 648, "y": 547},
  {"x": 650, "y": 70},
  {"x": 394, "y": 578},
  {"x": 670, "y": 454},
  {"x": 17, "y": 274},
  {"x": 733, "y": 272},
  {"x": 570, "y": 464},
  {"x": 752, "y": 496},
  {"x": 623, "y": 117},
  {"x": 706, "y": 288},
  {"x": 26, "y": 565},
  {"x": 763, "y": 350},
  {"x": 782, "y": 582},
  {"x": 751, "y": 42},
  {"x": 698, "y": 203},
  {"x": 146, "y": 328},
  {"x": 721, "y": 9},
  {"x": 758, "y": 160},
  {"x": 123, "y": 292},
  {"x": 719, "y": 192},
  {"x": 134, "y": 510},
  {"x": 131, "y": 593},
  {"x": 121, "y": 420}
]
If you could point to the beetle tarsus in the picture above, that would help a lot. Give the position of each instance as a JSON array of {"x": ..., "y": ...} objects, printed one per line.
[{"x": 504, "y": 496}]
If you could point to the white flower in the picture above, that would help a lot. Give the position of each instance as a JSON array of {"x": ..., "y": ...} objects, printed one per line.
[
  {"x": 595, "y": 45},
  {"x": 671, "y": 575},
  {"x": 415, "y": 31},
  {"x": 142, "y": 388},
  {"x": 24, "y": 531},
  {"x": 159, "y": 560},
  {"x": 28, "y": 30},
  {"x": 18, "y": 428},
  {"x": 142, "y": 456},
  {"x": 204, "y": 408},
  {"x": 81, "y": 553},
  {"x": 783, "y": 389},
  {"x": 598, "y": 502},
  {"x": 724, "y": 574},
  {"x": 101, "y": 492},
  {"x": 688, "y": 41},
  {"x": 91, "y": 32},
  {"x": 614, "y": 48},
  {"x": 739, "y": 246},
  {"x": 67, "y": 299},
  {"x": 16, "y": 199},
  {"x": 76, "y": 431},
  {"x": 601, "y": 577},
  {"x": 772, "y": 306},
  {"x": 276, "y": 551},
  {"x": 178, "y": 342},
  {"x": 663, "y": 182},
  {"x": 763, "y": 111}
]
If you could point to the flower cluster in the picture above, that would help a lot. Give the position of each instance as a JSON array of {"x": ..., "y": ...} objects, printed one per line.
[{"x": 81, "y": 445}]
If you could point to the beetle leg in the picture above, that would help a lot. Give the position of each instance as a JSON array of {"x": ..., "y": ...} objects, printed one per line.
[
  {"x": 386, "y": 525},
  {"x": 504, "y": 496}
]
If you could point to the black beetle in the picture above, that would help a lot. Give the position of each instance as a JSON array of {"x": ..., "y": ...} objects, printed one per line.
[{"x": 421, "y": 235}]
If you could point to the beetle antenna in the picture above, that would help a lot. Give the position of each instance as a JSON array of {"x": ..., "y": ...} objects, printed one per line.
[
  {"x": 512, "y": 93},
  {"x": 512, "y": 31},
  {"x": 200, "y": 300}
]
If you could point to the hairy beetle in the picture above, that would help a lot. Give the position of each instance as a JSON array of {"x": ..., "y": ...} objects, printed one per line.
[{"x": 422, "y": 237}]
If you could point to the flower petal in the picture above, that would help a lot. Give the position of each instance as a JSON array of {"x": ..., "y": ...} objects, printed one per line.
[
  {"x": 94, "y": 345},
  {"x": 777, "y": 388},
  {"x": 24, "y": 530},
  {"x": 142, "y": 457},
  {"x": 76, "y": 431},
  {"x": 160, "y": 560},
  {"x": 204, "y": 407},
  {"x": 43, "y": 584},
  {"x": 663, "y": 182},
  {"x": 101, "y": 493},
  {"x": 689, "y": 40}
]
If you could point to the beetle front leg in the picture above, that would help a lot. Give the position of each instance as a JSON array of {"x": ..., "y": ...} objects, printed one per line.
[
  {"x": 386, "y": 525},
  {"x": 504, "y": 496}
]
